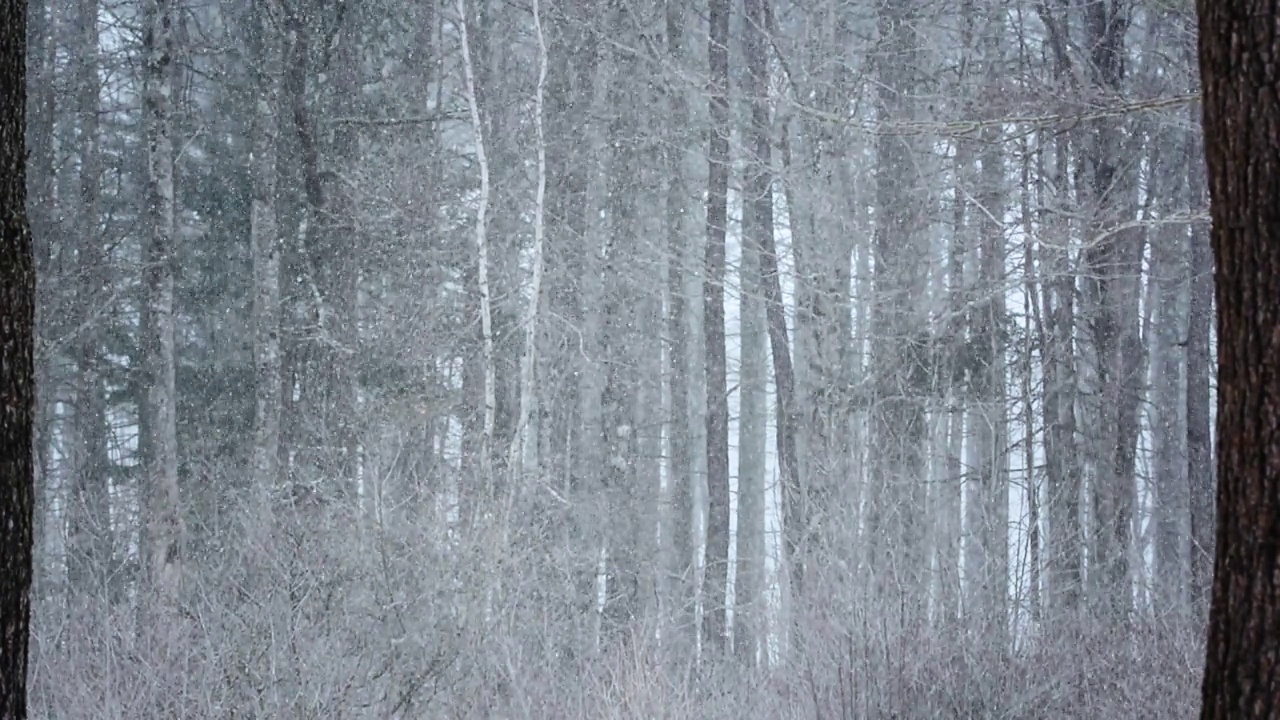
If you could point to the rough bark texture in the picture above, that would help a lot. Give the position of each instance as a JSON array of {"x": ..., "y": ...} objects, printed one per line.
[
  {"x": 1240, "y": 66},
  {"x": 17, "y": 383}
]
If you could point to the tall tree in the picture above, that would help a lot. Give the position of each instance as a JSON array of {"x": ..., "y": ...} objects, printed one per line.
[
  {"x": 717, "y": 552},
  {"x": 17, "y": 367},
  {"x": 895, "y": 526},
  {"x": 90, "y": 545},
  {"x": 679, "y": 531},
  {"x": 482, "y": 252},
  {"x": 1199, "y": 370},
  {"x": 1240, "y": 69},
  {"x": 165, "y": 521},
  {"x": 757, "y": 222},
  {"x": 264, "y": 227},
  {"x": 1114, "y": 258}
]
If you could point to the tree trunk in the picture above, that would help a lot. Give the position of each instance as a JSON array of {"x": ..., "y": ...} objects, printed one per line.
[
  {"x": 679, "y": 531},
  {"x": 1240, "y": 67},
  {"x": 89, "y": 543},
  {"x": 523, "y": 453},
  {"x": 17, "y": 368},
  {"x": 990, "y": 441},
  {"x": 895, "y": 519},
  {"x": 482, "y": 258},
  {"x": 757, "y": 222},
  {"x": 165, "y": 523},
  {"x": 715, "y": 629},
  {"x": 1200, "y": 476},
  {"x": 1064, "y": 543},
  {"x": 1168, "y": 275},
  {"x": 786, "y": 414},
  {"x": 265, "y": 234},
  {"x": 1114, "y": 264}
]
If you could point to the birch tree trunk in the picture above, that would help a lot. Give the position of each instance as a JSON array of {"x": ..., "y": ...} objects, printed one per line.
[
  {"x": 165, "y": 527},
  {"x": 17, "y": 368},
  {"x": 482, "y": 255},
  {"x": 524, "y": 444}
]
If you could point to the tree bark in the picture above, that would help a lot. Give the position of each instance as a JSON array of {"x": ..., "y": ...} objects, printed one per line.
[
  {"x": 717, "y": 562},
  {"x": 482, "y": 257},
  {"x": 1240, "y": 67},
  {"x": 1168, "y": 275},
  {"x": 165, "y": 523},
  {"x": 525, "y": 442},
  {"x": 17, "y": 368},
  {"x": 757, "y": 223},
  {"x": 680, "y": 478}
]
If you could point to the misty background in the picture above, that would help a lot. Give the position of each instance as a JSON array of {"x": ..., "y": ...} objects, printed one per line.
[{"x": 620, "y": 359}]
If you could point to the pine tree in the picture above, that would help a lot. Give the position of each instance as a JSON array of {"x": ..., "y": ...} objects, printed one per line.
[
  {"x": 17, "y": 383},
  {"x": 1238, "y": 64}
]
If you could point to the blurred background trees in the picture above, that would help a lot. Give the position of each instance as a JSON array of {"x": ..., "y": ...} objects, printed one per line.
[{"x": 872, "y": 357}]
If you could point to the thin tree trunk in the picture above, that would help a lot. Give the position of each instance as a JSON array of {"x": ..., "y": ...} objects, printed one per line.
[
  {"x": 679, "y": 534},
  {"x": 482, "y": 255},
  {"x": 1033, "y": 328},
  {"x": 1065, "y": 562},
  {"x": 717, "y": 553},
  {"x": 90, "y": 543},
  {"x": 165, "y": 528},
  {"x": 265, "y": 234},
  {"x": 17, "y": 368},
  {"x": 1169, "y": 262},
  {"x": 757, "y": 222},
  {"x": 524, "y": 444},
  {"x": 990, "y": 419},
  {"x": 41, "y": 178},
  {"x": 1240, "y": 66},
  {"x": 786, "y": 414},
  {"x": 1200, "y": 476}
]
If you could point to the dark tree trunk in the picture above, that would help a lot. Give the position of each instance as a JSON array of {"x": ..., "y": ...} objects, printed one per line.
[
  {"x": 1240, "y": 67},
  {"x": 681, "y": 481},
  {"x": 17, "y": 367},
  {"x": 713, "y": 308}
]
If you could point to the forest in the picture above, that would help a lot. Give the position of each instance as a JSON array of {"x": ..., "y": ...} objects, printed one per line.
[{"x": 620, "y": 359}]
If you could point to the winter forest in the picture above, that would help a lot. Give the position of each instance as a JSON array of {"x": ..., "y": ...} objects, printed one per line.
[{"x": 620, "y": 359}]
